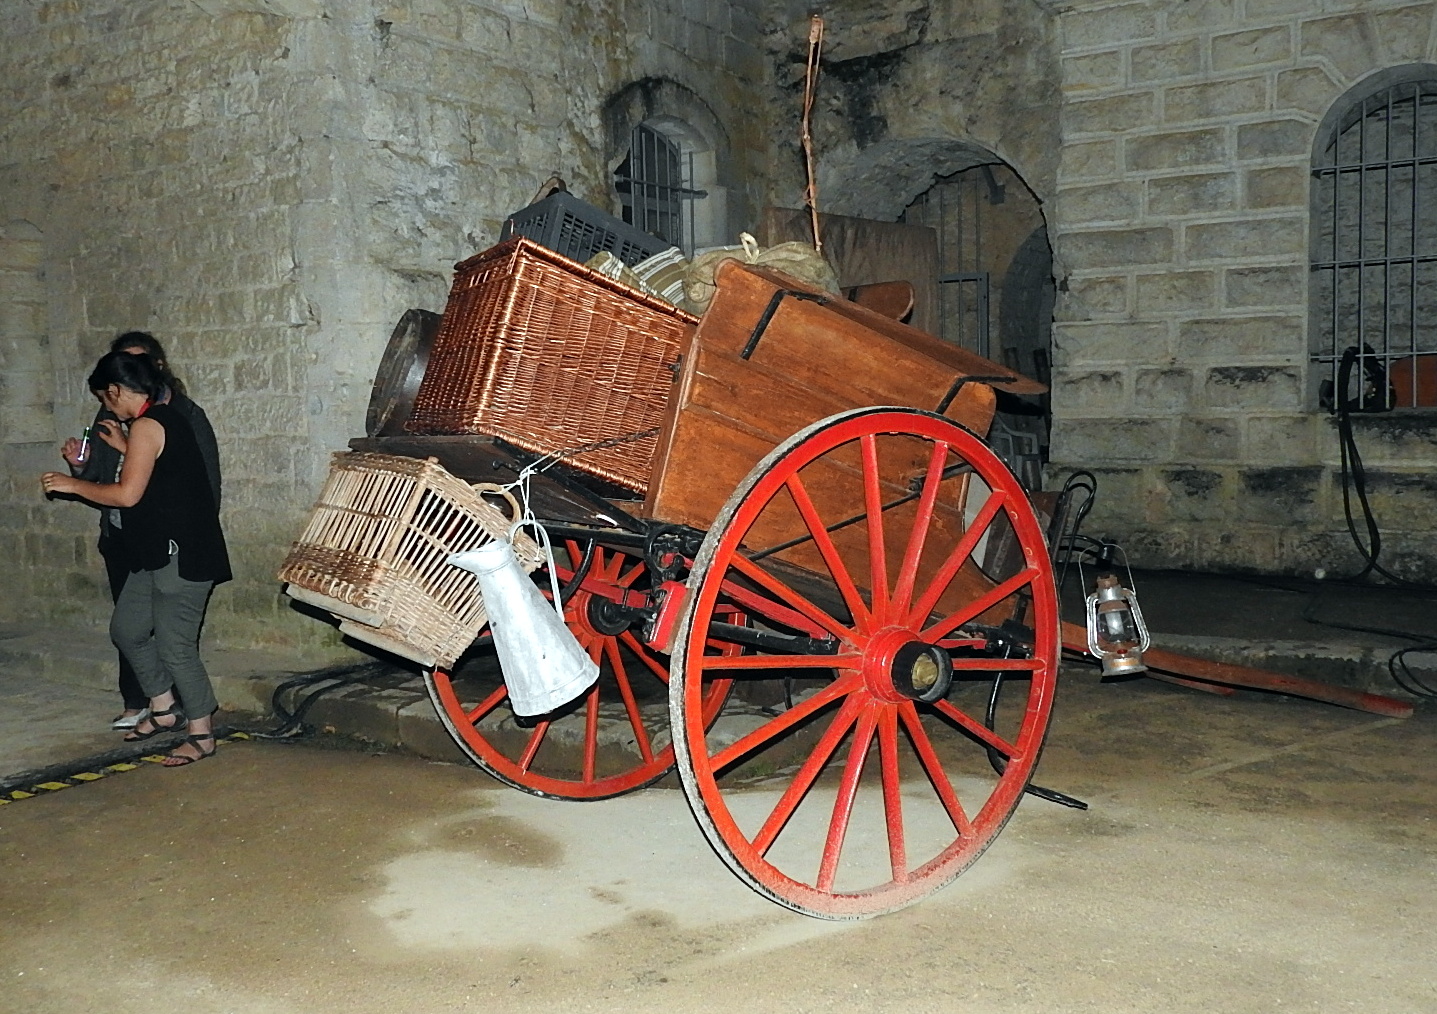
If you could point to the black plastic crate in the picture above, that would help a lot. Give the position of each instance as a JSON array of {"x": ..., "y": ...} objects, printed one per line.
[{"x": 578, "y": 230}]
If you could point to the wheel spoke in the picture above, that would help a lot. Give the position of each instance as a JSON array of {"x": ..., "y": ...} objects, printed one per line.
[
  {"x": 782, "y": 723},
  {"x": 808, "y": 773},
  {"x": 607, "y": 565},
  {"x": 933, "y": 767},
  {"x": 488, "y": 704},
  {"x": 977, "y": 729},
  {"x": 531, "y": 748},
  {"x": 961, "y": 642},
  {"x": 979, "y": 605},
  {"x": 824, "y": 542},
  {"x": 771, "y": 610},
  {"x": 971, "y": 537},
  {"x": 782, "y": 591},
  {"x": 843, "y": 802},
  {"x": 625, "y": 580},
  {"x": 995, "y": 664},
  {"x": 908, "y": 572},
  {"x": 636, "y": 722},
  {"x": 892, "y": 792},
  {"x": 591, "y": 733},
  {"x": 873, "y": 505},
  {"x": 641, "y": 650}
]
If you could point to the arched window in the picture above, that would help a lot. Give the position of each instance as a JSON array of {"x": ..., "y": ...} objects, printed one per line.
[
  {"x": 666, "y": 149},
  {"x": 1374, "y": 245},
  {"x": 653, "y": 182}
]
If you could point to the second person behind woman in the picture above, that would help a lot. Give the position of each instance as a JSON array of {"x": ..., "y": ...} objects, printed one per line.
[
  {"x": 172, "y": 545},
  {"x": 102, "y": 465}
]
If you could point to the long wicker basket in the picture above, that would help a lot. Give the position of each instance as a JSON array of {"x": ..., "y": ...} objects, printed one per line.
[
  {"x": 374, "y": 554},
  {"x": 549, "y": 355}
]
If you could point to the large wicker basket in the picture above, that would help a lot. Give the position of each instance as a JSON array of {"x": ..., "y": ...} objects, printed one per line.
[
  {"x": 374, "y": 554},
  {"x": 549, "y": 355}
]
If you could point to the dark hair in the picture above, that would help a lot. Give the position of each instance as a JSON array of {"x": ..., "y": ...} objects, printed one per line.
[
  {"x": 153, "y": 349},
  {"x": 132, "y": 372}
]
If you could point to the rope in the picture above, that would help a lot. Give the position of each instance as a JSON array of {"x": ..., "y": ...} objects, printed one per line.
[{"x": 810, "y": 86}]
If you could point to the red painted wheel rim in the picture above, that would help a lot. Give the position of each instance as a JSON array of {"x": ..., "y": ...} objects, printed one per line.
[
  {"x": 564, "y": 755},
  {"x": 918, "y": 774}
]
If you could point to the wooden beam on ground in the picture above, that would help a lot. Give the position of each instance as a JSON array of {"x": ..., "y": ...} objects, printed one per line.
[{"x": 1075, "y": 638}]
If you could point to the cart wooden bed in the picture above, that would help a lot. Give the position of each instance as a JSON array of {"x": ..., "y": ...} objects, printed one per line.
[{"x": 830, "y": 607}]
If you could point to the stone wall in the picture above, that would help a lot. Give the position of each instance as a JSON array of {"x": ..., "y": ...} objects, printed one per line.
[
  {"x": 267, "y": 185},
  {"x": 910, "y": 91},
  {"x": 1180, "y": 222}
]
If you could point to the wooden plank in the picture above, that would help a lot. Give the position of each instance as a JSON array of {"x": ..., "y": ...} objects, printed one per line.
[{"x": 1075, "y": 638}]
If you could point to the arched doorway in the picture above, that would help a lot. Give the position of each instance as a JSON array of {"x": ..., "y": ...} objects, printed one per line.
[{"x": 994, "y": 265}]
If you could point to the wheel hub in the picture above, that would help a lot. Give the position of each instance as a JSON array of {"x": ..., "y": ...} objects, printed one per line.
[
  {"x": 608, "y": 617},
  {"x": 899, "y": 667},
  {"x": 921, "y": 671}
]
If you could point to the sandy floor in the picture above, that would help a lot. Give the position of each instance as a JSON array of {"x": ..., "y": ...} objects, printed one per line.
[{"x": 1240, "y": 855}]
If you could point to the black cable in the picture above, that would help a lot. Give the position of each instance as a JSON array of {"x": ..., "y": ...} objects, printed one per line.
[
  {"x": 292, "y": 722},
  {"x": 1000, "y": 763},
  {"x": 1354, "y": 480},
  {"x": 1068, "y": 518},
  {"x": 1410, "y": 681}
]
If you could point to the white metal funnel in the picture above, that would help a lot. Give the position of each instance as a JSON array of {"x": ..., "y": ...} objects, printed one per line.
[{"x": 543, "y": 664}]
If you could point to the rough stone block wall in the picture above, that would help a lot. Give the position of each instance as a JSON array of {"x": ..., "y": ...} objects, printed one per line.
[
  {"x": 911, "y": 90},
  {"x": 1180, "y": 224},
  {"x": 267, "y": 185}
]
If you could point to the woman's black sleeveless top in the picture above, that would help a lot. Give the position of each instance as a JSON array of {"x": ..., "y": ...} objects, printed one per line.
[{"x": 178, "y": 506}]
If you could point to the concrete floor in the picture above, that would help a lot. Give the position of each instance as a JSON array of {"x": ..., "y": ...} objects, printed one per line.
[{"x": 1240, "y": 854}]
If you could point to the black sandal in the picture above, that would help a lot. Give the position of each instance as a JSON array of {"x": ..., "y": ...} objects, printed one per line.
[
  {"x": 173, "y": 711},
  {"x": 180, "y": 761}
]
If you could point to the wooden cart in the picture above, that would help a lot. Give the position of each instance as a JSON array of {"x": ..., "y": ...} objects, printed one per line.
[{"x": 829, "y": 605}]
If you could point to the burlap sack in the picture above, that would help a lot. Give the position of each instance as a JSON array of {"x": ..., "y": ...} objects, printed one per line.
[{"x": 797, "y": 259}]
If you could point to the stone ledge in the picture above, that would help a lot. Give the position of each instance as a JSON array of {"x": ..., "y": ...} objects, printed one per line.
[{"x": 1357, "y": 667}]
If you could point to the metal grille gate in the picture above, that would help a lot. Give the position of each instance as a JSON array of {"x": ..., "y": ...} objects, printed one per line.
[
  {"x": 1374, "y": 243},
  {"x": 653, "y": 182}
]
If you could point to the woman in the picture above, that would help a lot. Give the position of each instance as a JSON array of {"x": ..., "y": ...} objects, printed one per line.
[
  {"x": 170, "y": 539},
  {"x": 102, "y": 464}
]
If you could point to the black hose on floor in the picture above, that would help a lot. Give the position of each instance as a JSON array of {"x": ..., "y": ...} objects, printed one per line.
[{"x": 292, "y": 725}]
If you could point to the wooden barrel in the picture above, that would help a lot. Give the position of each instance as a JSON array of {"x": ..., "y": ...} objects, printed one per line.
[{"x": 400, "y": 372}]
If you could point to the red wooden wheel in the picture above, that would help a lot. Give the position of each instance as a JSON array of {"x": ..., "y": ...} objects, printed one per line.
[
  {"x": 613, "y": 739},
  {"x": 843, "y": 778}
]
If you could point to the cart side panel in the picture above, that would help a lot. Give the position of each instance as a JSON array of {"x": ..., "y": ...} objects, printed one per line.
[{"x": 810, "y": 361}]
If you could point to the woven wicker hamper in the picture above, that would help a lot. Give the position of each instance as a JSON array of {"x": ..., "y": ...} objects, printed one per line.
[
  {"x": 542, "y": 352},
  {"x": 374, "y": 554}
]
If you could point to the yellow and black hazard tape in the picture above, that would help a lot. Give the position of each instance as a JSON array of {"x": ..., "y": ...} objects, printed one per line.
[{"x": 83, "y": 777}]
